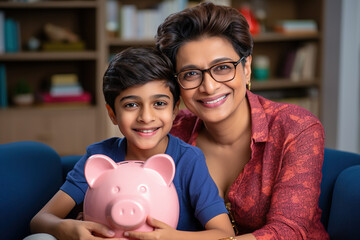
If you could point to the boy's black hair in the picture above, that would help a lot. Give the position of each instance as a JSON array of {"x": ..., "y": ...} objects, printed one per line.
[{"x": 137, "y": 66}]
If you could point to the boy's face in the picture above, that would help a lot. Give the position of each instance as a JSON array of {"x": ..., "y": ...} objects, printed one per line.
[{"x": 144, "y": 114}]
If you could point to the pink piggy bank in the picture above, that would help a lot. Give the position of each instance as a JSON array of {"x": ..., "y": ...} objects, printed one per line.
[{"x": 122, "y": 195}]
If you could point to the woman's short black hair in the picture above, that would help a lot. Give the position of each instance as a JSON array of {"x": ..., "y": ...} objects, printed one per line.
[{"x": 204, "y": 20}]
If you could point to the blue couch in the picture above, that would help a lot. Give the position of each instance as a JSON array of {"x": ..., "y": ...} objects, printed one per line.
[{"x": 31, "y": 172}]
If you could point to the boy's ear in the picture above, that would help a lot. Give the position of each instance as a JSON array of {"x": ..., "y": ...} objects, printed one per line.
[
  {"x": 111, "y": 114},
  {"x": 176, "y": 109}
]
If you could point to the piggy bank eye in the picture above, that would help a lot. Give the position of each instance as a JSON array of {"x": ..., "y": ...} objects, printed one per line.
[
  {"x": 116, "y": 189},
  {"x": 142, "y": 189}
]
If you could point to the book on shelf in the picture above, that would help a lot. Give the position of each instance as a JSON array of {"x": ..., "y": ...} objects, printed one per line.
[
  {"x": 128, "y": 22},
  {"x": 137, "y": 23},
  {"x": 296, "y": 26},
  {"x": 221, "y": 2},
  {"x": 65, "y": 88},
  {"x": 3, "y": 87},
  {"x": 2, "y": 30},
  {"x": 286, "y": 68},
  {"x": 296, "y": 70},
  {"x": 12, "y": 35},
  {"x": 112, "y": 17},
  {"x": 300, "y": 64},
  {"x": 309, "y": 66},
  {"x": 65, "y": 85},
  {"x": 148, "y": 20},
  {"x": 64, "y": 79},
  {"x": 85, "y": 97}
]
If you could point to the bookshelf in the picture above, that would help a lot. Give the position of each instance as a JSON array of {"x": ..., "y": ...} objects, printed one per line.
[
  {"x": 274, "y": 45},
  {"x": 67, "y": 127}
]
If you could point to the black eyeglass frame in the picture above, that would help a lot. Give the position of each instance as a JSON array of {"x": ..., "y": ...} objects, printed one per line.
[{"x": 208, "y": 71}]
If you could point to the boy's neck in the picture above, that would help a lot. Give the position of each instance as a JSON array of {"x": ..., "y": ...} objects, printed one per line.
[{"x": 134, "y": 153}]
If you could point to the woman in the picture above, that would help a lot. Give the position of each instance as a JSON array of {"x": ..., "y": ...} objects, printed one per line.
[{"x": 264, "y": 157}]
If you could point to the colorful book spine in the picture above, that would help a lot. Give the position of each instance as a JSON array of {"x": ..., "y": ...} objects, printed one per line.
[
  {"x": 3, "y": 87},
  {"x": 296, "y": 26},
  {"x": 83, "y": 98},
  {"x": 11, "y": 35},
  {"x": 2, "y": 32}
]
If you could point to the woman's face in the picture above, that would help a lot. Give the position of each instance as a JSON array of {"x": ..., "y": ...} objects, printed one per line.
[{"x": 213, "y": 101}]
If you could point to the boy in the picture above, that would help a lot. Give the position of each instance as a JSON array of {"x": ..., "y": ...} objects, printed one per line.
[{"x": 142, "y": 98}]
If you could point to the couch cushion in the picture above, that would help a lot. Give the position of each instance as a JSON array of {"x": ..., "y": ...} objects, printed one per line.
[
  {"x": 344, "y": 218},
  {"x": 335, "y": 162},
  {"x": 30, "y": 174}
]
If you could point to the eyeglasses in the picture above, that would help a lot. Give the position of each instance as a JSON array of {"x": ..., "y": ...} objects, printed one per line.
[{"x": 220, "y": 72}]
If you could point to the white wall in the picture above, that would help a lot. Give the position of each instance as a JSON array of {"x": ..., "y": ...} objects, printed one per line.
[{"x": 341, "y": 85}]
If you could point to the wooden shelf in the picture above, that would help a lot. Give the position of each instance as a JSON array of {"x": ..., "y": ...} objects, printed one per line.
[
  {"x": 38, "y": 109},
  {"x": 118, "y": 42},
  {"x": 279, "y": 37},
  {"x": 274, "y": 84},
  {"x": 50, "y": 4},
  {"x": 50, "y": 56},
  {"x": 65, "y": 127}
]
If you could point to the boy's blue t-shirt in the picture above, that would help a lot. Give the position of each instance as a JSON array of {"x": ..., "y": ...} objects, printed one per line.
[{"x": 198, "y": 195}]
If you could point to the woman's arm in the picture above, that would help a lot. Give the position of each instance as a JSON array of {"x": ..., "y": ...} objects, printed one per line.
[{"x": 294, "y": 199}]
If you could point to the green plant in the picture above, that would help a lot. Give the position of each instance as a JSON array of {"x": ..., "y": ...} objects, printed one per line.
[{"x": 22, "y": 87}]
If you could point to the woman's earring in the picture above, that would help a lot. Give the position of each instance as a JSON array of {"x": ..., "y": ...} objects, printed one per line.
[{"x": 249, "y": 86}]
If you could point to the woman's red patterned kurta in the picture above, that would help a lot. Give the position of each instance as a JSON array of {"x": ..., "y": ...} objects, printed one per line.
[{"x": 276, "y": 195}]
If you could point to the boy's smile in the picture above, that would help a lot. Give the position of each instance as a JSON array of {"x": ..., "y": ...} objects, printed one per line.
[{"x": 144, "y": 114}]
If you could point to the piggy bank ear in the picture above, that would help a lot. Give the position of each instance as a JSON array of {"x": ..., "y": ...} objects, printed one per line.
[
  {"x": 164, "y": 165},
  {"x": 97, "y": 165}
]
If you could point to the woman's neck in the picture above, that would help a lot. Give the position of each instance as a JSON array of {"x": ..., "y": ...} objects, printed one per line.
[{"x": 232, "y": 129}]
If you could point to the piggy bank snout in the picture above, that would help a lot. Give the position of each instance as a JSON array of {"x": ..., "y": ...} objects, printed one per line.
[{"x": 129, "y": 213}]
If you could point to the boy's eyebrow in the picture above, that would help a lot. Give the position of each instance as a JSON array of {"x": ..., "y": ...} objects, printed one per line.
[
  {"x": 137, "y": 97},
  {"x": 161, "y": 96},
  {"x": 129, "y": 97}
]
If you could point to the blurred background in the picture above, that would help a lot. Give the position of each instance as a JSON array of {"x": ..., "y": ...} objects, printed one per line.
[{"x": 53, "y": 55}]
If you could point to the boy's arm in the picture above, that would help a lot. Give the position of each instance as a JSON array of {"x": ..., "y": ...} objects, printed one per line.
[
  {"x": 50, "y": 219},
  {"x": 216, "y": 228}
]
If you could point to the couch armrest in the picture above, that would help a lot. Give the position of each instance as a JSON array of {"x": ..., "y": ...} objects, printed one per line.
[
  {"x": 68, "y": 163},
  {"x": 344, "y": 220},
  {"x": 335, "y": 162},
  {"x": 30, "y": 174}
]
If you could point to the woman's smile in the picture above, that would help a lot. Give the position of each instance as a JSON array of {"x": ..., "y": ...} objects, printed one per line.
[{"x": 213, "y": 102}]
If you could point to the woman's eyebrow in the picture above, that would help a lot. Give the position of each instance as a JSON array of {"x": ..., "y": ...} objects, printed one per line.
[{"x": 213, "y": 62}]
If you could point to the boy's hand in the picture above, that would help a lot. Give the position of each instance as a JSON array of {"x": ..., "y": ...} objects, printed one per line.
[
  {"x": 162, "y": 231},
  {"x": 75, "y": 229}
]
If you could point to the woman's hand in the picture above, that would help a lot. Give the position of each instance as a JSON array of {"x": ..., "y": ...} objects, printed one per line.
[{"x": 162, "y": 231}]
